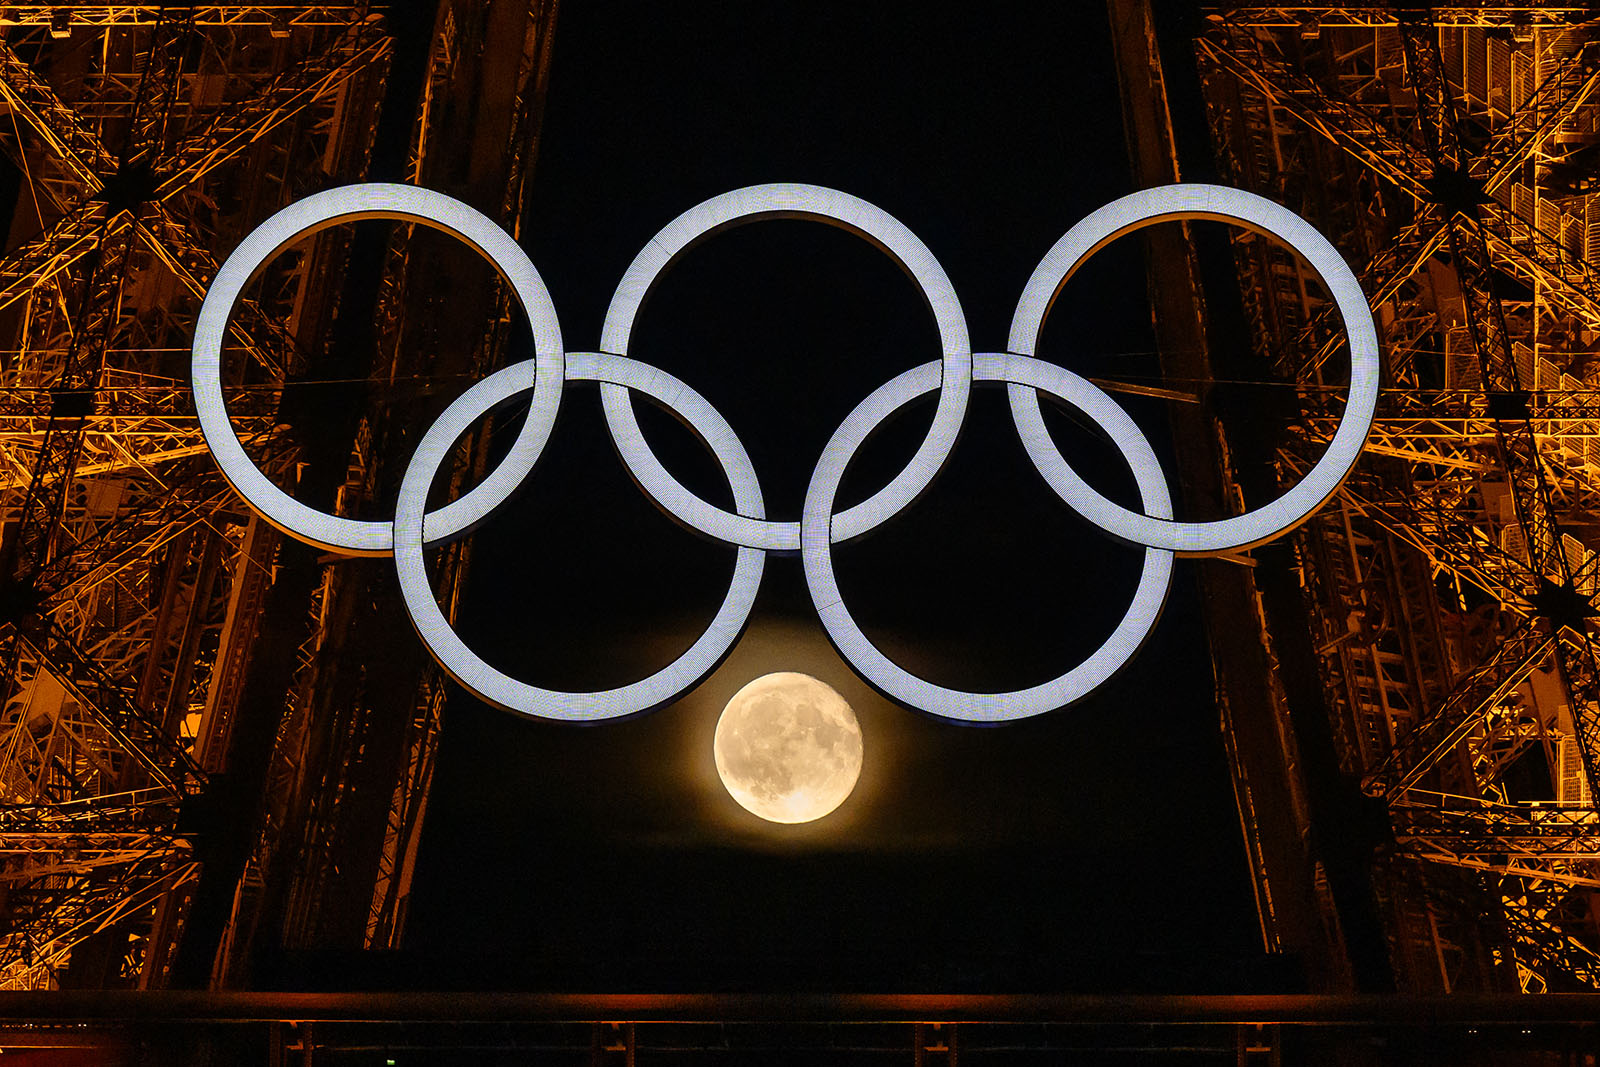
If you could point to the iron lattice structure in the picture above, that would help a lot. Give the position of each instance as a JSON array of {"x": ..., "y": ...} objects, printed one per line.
[
  {"x": 1450, "y": 588},
  {"x": 135, "y": 589},
  {"x": 159, "y": 645}
]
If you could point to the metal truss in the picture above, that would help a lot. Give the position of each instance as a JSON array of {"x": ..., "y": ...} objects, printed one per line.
[
  {"x": 146, "y": 136},
  {"x": 63, "y": 20},
  {"x": 1311, "y": 19},
  {"x": 1453, "y": 583}
]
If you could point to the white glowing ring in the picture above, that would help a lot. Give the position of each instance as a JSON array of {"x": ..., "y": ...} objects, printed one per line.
[
  {"x": 493, "y": 685},
  {"x": 896, "y": 681},
  {"x": 1221, "y": 204},
  {"x": 318, "y": 212},
  {"x": 849, "y": 213}
]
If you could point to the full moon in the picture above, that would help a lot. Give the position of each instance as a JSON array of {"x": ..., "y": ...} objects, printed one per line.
[{"x": 788, "y": 748}]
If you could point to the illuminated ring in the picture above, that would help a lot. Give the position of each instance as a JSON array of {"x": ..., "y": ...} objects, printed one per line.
[
  {"x": 498, "y": 688},
  {"x": 1220, "y": 204},
  {"x": 347, "y": 204},
  {"x": 896, "y": 681},
  {"x": 846, "y": 212}
]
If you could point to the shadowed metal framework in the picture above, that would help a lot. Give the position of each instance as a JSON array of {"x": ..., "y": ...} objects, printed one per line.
[
  {"x": 166, "y": 664},
  {"x": 1433, "y": 633}
]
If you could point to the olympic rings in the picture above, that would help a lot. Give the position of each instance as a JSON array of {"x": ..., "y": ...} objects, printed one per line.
[{"x": 747, "y": 528}]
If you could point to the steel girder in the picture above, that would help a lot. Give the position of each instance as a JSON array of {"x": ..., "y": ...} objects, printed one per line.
[
  {"x": 1312, "y": 19},
  {"x": 1444, "y": 453},
  {"x": 142, "y": 522}
]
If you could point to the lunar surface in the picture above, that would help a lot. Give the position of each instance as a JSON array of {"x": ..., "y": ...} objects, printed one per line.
[{"x": 788, "y": 748}]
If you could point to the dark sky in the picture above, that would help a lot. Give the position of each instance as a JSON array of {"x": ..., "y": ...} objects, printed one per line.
[{"x": 1093, "y": 848}]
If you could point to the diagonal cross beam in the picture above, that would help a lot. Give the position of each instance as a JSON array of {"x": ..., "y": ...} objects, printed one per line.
[
  {"x": 168, "y": 763},
  {"x": 240, "y": 125},
  {"x": 1364, "y": 136},
  {"x": 1448, "y": 543},
  {"x": 1475, "y": 695},
  {"x": 78, "y": 150},
  {"x": 73, "y": 146},
  {"x": 1569, "y": 87}
]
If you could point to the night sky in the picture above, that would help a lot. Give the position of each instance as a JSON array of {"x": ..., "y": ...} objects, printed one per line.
[{"x": 1095, "y": 848}]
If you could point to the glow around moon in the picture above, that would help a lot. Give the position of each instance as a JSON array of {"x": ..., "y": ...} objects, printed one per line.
[{"x": 788, "y": 748}]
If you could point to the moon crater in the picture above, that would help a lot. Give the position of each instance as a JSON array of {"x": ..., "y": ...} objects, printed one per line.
[{"x": 788, "y": 748}]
